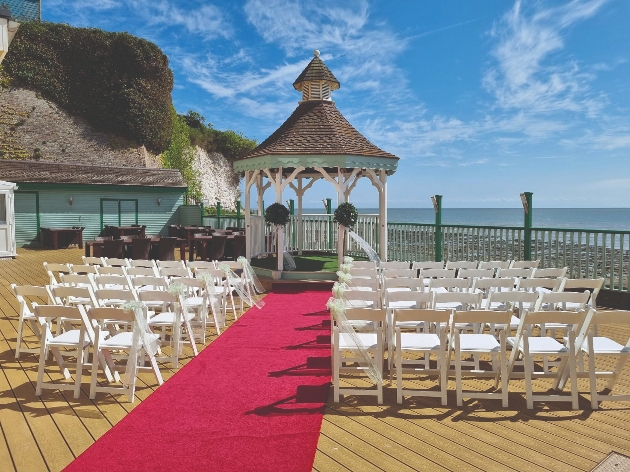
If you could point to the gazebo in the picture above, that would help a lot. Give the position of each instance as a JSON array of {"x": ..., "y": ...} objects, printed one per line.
[{"x": 315, "y": 142}]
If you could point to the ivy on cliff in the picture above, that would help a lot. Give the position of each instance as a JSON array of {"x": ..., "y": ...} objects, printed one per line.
[{"x": 119, "y": 83}]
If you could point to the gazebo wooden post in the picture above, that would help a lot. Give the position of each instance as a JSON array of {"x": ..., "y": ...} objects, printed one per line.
[
  {"x": 248, "y": 228},
  {"x": 382, "y": 216},
  {"x": 300, "y": 239}
]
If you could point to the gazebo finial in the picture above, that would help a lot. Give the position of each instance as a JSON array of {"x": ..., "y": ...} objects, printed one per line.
[{"x": 316, "y": 82}]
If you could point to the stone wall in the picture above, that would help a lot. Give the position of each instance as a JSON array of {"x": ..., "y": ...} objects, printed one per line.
[{"x": 32, "y": 127}]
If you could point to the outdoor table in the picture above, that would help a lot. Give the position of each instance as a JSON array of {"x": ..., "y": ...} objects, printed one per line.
[
  {"x": 204, "y": 240},
  {"x": 62, "y": 237},
  {"x": 191, "y": 230},
  {"x": 97, "y": 245},
  {"x": 118, "y": 231}
]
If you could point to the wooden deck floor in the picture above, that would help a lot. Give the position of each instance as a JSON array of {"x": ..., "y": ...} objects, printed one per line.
[{"x": 357, "y": 434}]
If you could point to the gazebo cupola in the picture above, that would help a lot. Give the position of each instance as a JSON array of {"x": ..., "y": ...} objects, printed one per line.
[
  {"x": 315, "y": 142},
  {"x": 316, "y": 82}
]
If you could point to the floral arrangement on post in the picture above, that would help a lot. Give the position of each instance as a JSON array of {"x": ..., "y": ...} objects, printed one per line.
[
  {"x": 346, "y": 216},
  {"x": 278, "y": 215}
]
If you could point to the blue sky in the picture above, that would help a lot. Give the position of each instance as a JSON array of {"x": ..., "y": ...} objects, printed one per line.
[{"x": 481, "y": 100}]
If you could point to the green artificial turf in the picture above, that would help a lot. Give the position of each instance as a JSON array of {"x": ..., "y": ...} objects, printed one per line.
[{"x": 307, "y": 262}]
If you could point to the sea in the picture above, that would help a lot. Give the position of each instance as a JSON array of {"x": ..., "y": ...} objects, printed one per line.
[{"x": 580, "y": 218}]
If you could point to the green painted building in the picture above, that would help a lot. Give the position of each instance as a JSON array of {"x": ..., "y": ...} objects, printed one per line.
[{"x": 58, "y": 195}]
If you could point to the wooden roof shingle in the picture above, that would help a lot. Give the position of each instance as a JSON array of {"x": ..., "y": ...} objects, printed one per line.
[
  {"x": 314, "y": 71},
  {"x": 57, "y": 173},
  {"x": 317, "y": 127}
]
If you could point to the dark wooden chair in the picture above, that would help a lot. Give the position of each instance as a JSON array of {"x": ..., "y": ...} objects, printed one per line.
[
  {"x": 113, "y": 248},
  {"x": 238, "y": 248},
  {"x": 217, "y": 247},
  {"x": 103, "y": 238},
  {"x": 140, "y": 248},
  {"x": 173, "y": 231},
  {"x": 166, "y": 249}
]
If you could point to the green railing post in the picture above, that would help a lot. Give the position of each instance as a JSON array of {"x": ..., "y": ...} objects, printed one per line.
[
  {"x": 218, "y": 215},
  {"x": 202, "y": 209},
  {"x": 238, "y": 214},
  {"x": 330, "y": 225},
  {"x": 437, "y": 205},
  {"x": 526, "y": 199}
]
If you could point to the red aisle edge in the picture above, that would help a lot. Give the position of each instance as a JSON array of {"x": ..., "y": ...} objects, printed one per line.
[{"x": 252, "y": 400}]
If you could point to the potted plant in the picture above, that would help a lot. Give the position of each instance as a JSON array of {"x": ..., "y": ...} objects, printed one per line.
[
  {"x": 346, "y": 216},
  {"x": 278, "y": 215}
]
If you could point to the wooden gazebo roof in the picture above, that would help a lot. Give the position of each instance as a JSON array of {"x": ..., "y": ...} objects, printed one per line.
[{"x": 317, "y": 135}]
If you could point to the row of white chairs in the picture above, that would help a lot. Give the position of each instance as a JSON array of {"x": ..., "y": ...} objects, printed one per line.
[
  {"x": 507, "y": 264},
  {"x": 102, "y": 329},
  {"x": 111, "y": 266},
  {"x": 450, "y": 341}
]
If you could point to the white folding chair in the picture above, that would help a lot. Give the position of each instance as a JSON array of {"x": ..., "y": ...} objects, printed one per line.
[
  {"x": 373, "y": 342},
  {"x": 116, "y": 262},
  {"x": 82, "y": 269},
  {"x": 465, "y": 273},
  {"x": 551, "y": 273},
  {"x": 358, "y": 272},
  {"x": 456, "y": 300},
  {"x": 196, "y": 266},
  {"x": 599, "y": 346},
  {"x": 72, "y": 296},
  {"x": 480, "y": 343},
  {"x": 170, "y": 316},
  {"x": 427, "y": 274},
  {"x": 111, "y": 270},
  {"x": 170, "y": 264},
  {"x": 364, "y": 284},
  {"x": 150, "y": 264},
  {"x": 488, "y": 285},
  {"x": 524, "y": 264},
  {"x": 427, "y": 265},
  {"x": 494, "y": 264},
  {"x": 71, "y": 339},
  {"x": 28, "y": 297},
  {"x": 54, "y": 271},
  {"x": 93, "y": 260},
  {"x": 111, "y": 297},
  {"x": 196, "y": 301},
  {"x": 528, "y": 347},
  {"x": 593, "y": 285},
  {"x": 173, "y": 273},
  {"x": 457, "y": 265},
  {"x": 515, "y": 302},
  {"x": 392, "y": 273},
  {"x": 141, "y": 271},
  {"x": 130, "y": 341},
  {"x": 362, "y": 298},
  {"x": 78, "y": 280},
  {"x": 396, "y": 284},
  {"x": 517, "y": 274},
  {"x": 539, "y": 285},
  {"x": 389, "y": 265},
  {"x": 420, "y": 343},
  {"x": 121, "y": 282},
  {"x": 449, "y": 285},
  {"x": 364, "y": 264}
]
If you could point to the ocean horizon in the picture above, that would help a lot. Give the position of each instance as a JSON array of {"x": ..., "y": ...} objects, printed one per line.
[{"x": 580, "y": 218}]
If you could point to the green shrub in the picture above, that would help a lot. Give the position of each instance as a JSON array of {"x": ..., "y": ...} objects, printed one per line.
[
  {"x": 180, "y": 155},
  {"x": 277, "y": 214},
  {"x": 119, "y": 83},
  {"x": 346, "y": 214}
]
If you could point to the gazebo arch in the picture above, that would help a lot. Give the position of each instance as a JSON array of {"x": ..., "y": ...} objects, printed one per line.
[{"x": 315, "y": 142}]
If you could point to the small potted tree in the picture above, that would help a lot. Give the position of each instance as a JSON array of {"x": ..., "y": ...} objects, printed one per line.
[
  {"x": 346, "y": 216},
  {"x": 278, "y": 215}
]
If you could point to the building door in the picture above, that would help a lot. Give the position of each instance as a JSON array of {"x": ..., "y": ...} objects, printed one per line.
[
  {"x": 27, "y": 218},
  {"x": 119, "y": 212}
]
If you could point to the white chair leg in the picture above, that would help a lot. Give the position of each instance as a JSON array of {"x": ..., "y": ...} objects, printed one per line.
[
  {"x": 79, "y": 372},
  {"x": 399, "y": 380},
  {"x": 592, "y": 374},
  {"x": 43, "y": 353}
]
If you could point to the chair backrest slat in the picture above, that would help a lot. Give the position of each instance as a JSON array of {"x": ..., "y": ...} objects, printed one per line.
[{"x": 420, "y": 315}]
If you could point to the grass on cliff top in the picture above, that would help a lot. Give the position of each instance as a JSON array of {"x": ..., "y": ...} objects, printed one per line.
[{"x": 307, "y": 262}]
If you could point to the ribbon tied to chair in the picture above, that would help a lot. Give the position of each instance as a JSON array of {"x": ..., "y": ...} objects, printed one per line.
[
  {"x": 143, "y": 338},
  {"x": 337, "y": 307},
  {"x": 236, "y": 283}
]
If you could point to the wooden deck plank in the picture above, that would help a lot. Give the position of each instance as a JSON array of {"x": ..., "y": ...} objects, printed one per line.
[
  {"x": 5, "y": 455},
  {"x": 346, "y": 450},
  {"x": 327, "y": 464}
]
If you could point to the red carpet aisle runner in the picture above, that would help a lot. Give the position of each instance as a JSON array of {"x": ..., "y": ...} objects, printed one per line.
[{"x": 251, "y": 401}]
